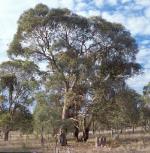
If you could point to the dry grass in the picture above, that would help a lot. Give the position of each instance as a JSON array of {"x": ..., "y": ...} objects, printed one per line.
[{"x": 127, "y": 143}]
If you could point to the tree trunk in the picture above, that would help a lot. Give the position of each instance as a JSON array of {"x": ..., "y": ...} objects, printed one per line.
[
  {"x": 145, "y": 127},
  {"x": 86, "y": 128},
  {"x": 97, "y": 142},
  {"x": 112, "y": 133},
  {"x": 65, "y": 112},
  {"x": 6, "y": 135},
  {"x": 86, "y": 134},
  {"x": 42, "y": 136},
  {"x": 133, "y": 129},
  {"x": 93, "y": 128},
  {"x": 121, "y": 130},
  {"x": 76, "y": 133},
  {"x": 62, "y": 138},
  {"x": 62, "y": 135}
]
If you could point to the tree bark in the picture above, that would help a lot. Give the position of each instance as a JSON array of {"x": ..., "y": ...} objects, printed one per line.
[
  {"x": 112, "y": 133},
  {"x": 64, "y": 112},
  {"x": 62, "y": 135},
  {"x": 133, "y": 129},
  {"x": 62, "y": 138},
  {"x": 86, "y": 128},
  {"x": 86, "y": 134},
  {"x": 121, "y": 130},
  {"x": 93, "y": 128},
  {"x": 76, "y": 133},
  {"x": 145, "y": 127},
  {"x": 97, "y": 142},
  {"x": 65, "y": 108},
  {"x": 42, "y": 137},
  {"x": 6, "y": 135}
]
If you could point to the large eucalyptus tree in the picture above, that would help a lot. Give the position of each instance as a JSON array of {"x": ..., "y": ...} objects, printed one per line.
[{"x": 80, "y": 52}]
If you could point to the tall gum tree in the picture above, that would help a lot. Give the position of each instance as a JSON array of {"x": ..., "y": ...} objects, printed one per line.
[{"x": 76, "y": 50}]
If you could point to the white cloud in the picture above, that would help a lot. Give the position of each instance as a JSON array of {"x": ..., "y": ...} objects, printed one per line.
[
  {"x": 3, "y": 47},
  {"x": 112, "y": 2},
  {"x": 67, "y": 3},
  {"x": 79, "y": 1},
  {"x": 125, "y": 1},
  {"x": 142, "y": 2},
  {"x": 138, "y": 25},
  {"x": 143, "y": 55},
  {"x": 93, "y": 13},
  {"x": 131, "y": 7},
  {"x": 82, "y": 13},
  {"x": 89, "y": 13},
  {"x": 116, "y": 17},
  {"x": 147, "y": 12},
  {"x": 3, "y": 58},
  {"x": 81, "y": 6},
  {"x": 98, "y": 3}
]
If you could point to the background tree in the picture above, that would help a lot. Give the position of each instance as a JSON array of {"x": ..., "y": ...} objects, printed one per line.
[
  {"x": 47, "y": 115},
  {"x": 146, "y": 93},
  {"x": 17, "y": 82},
  {"x": 145, "y": 110},
  {"x": 131, "y": 103}
]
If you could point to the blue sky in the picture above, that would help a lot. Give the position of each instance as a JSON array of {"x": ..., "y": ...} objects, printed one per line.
[{"x": 133, "y": 14}]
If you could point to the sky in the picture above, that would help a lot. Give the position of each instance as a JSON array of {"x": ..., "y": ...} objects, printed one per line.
[{"x": 133, "y": 14}]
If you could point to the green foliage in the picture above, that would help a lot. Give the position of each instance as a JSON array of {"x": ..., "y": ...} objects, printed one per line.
[
  {"x": 46, "y": 115},
  {"x": 4, "y": 119},
  {"x": 121, "y": 111}
]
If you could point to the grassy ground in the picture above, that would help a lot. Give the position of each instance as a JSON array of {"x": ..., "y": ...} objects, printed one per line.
[{"x": 127, "y": 143}]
